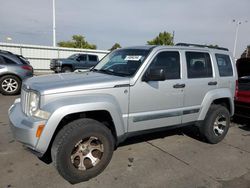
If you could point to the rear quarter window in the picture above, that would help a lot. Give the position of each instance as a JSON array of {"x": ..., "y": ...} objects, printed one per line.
[{"x": 224, "y": 65}]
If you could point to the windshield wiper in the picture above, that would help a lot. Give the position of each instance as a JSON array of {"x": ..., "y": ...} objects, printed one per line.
[
  {"x": 94, "y": 70},
  {"x": 104, "y": 71}
]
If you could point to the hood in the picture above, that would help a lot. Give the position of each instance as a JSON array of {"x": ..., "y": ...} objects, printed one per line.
[
  {"x": 68, "y": 82},
  {"x": 58, "y": 59}
]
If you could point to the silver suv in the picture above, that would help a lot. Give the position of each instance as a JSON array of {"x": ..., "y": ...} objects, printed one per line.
[
  {"x": 78, "y": 119},
  {"x": 13, "y": 70}
]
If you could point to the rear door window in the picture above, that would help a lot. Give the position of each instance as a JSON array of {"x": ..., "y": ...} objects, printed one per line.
[
  {"x": 1, "y": 60},
  {"x": 199, "y": 65},
  {"x": 82, "y": 58},
  {"x": 9, "y": 61},
  {"x": 93, "y": 58},
  {"x": 224, "y": 65}
]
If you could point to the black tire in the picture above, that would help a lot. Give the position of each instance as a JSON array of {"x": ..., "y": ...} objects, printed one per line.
[
  {"x": 68, "y": 142},
  {"x": 14, "y": 87},
  {"x": 67, "y": 69},
  {"x": 213, "y": 129}
]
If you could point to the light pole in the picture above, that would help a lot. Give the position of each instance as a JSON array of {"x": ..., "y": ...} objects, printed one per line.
[
  {"x": 8, "y": 39},
  {"x": 238, "y": 23},
  {"x": 54, "y": 24}
]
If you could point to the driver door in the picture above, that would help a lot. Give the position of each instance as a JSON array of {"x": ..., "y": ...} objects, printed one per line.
[{"x": 155, "y": 104}]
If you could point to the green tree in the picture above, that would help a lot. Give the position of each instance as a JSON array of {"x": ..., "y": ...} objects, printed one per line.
[
  {"x": 164, "y": 38},
  {"x": 78, "y": 41},
  {"x": 115, "y": 46},
  {"x": 246, "y": 53}
]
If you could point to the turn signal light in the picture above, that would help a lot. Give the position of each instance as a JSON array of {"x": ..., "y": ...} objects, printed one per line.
[{"x": 39, "y": 130}]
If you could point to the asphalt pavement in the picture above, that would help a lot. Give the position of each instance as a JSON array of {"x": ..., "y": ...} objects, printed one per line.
[{"x": 178, "y": 158}]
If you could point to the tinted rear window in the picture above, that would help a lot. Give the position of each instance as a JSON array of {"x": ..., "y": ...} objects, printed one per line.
[
  {"x": 224, "y": 65},
  {"x": 1, "y": 60},
  {"x": 9, "y": 61},
  {"x": 199, "y": 65},
  {"x": 93, "y": 58},
  {"x": 23, "y": 60}
]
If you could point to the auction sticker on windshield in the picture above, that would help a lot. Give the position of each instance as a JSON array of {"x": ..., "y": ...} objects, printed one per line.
[{"x": 133, "y": 58}]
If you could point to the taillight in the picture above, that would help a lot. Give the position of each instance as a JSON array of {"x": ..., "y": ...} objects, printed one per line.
[
  {"x": 26, "y": 67},
  {"x": 236, "y": 89}
]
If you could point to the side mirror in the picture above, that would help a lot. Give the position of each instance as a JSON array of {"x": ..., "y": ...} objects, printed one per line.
[
  {"x": 78, "y": 59},
  {"x": 154, "y": 75}
]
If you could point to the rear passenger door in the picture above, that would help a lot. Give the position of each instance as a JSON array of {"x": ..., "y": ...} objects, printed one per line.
[
  {"x": 92, "y": 60},
  {"x": 3, "y": 67},
  {"x": 155, "y": 104},
  {"x": 81, "y": 62},
  {"x": 199, "y": 81}
]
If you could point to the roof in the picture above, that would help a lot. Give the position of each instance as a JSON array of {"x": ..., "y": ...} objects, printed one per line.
[{"x": 178, "y": 46}]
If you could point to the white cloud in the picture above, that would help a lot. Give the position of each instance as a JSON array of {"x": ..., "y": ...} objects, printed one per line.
[{"x": 129, "y": 22}]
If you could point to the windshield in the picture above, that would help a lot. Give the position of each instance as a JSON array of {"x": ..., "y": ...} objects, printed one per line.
[
  {"x": 73, "y": 56},
  {"x": 124, "y": 62}
]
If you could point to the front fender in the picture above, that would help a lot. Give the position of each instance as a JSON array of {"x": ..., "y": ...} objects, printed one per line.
[
  {"x": 213, "y": 95},
  {"x": 70, "y": 105}
]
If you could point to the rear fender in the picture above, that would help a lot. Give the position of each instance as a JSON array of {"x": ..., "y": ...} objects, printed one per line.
[{"x": 212, "y": 96}]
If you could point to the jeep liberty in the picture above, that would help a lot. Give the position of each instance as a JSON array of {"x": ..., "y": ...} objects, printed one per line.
[{"x": 78, "y": 119}]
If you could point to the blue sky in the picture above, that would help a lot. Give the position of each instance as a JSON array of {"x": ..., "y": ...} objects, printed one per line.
[{"x": 128, "y": 22}]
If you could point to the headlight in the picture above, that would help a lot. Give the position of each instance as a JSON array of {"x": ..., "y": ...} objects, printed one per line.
[
  {"x": 58, "y": 62},
  {"x": 33, "y": 103},
  {"x": 33, "y": 106}
]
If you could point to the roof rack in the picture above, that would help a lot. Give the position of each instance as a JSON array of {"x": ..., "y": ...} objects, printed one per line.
[{"x": 201, "y": 46}]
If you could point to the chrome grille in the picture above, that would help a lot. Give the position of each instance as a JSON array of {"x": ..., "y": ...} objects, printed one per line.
[
  {"x": 52, "y": 63},
  {"x": 25, "y": 101}
]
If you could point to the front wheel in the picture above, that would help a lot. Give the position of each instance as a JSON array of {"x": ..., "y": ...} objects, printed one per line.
[
  {"x": 216, "y": 124},
  {"x": 82, "y": 150},
  {"x": 67, "y": 69}
]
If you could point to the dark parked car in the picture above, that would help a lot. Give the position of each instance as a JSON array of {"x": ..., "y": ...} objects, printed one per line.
[
  {"x": 74, "y": 62},
  {"x": 13, "y": 70},
  {"x": 242, "y": 95}
]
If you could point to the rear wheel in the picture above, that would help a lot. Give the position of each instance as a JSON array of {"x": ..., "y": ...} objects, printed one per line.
[
  {"x": 216, "y": 124},
  {"x": 10, "y": 85},
  {"x": 82, "y": 150}
]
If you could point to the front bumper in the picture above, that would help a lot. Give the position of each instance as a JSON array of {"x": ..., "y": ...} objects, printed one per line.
[
  {"x": 24, "y": 128},
  {"x": 56, "y": 68}
]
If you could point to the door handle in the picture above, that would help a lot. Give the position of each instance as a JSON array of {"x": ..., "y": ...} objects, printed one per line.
[
  {"x": 179, "y": 86},
  {"x": 212, "y": 83}
]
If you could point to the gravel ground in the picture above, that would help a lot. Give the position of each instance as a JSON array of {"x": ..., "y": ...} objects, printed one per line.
[{"x": 176, "y": 158}]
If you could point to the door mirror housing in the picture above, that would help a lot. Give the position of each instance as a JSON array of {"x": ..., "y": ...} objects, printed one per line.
[{"x": 154, "y": 75}]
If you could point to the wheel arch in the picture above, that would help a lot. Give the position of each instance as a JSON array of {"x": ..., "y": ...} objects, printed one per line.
[
  {"x": 103, "y": 109},
  {"x": 11, "y": 74},
  {"x": 68, "y": 65},
  {"x": 102, "y": 116},
  {"x": 222, "y": 97}
]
